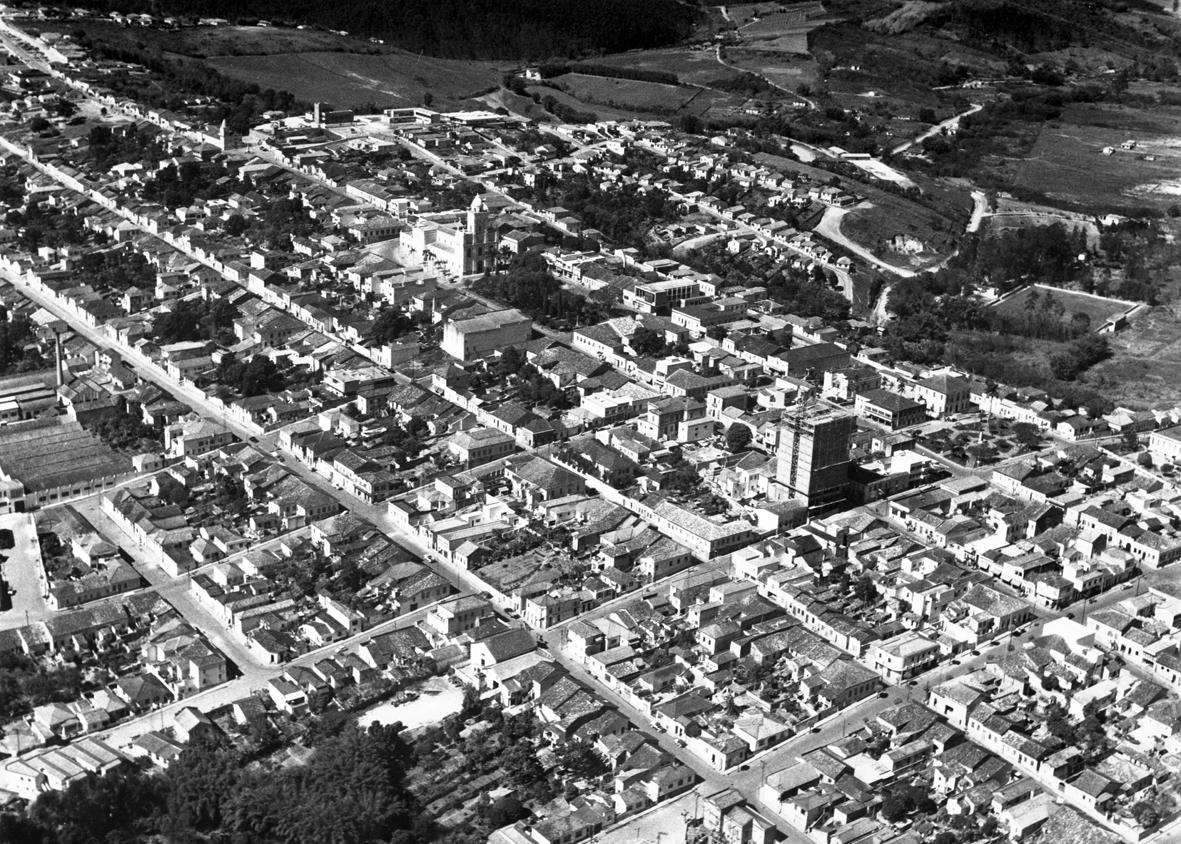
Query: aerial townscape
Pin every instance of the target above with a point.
(547, 421)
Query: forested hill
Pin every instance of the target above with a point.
(485, 29)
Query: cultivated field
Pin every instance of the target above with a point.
(1097, 308)
(348, 79)
(1067, 163)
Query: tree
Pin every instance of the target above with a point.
(64, 108)
(390, 326)
(235, 225)
(506, 810)
(646, 342)
(866, 590)
(894, 806)
(1146, 814)
(580, 760)
(738, 437)
(38, 124)
(1064, 366)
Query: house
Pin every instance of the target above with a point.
(502, 647)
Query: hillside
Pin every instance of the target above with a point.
(485, 29)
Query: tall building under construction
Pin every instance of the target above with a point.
(814, 454)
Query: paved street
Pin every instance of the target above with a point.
(24, 574)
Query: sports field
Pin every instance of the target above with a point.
(1097, 308)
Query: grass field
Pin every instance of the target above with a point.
(1097, 308)
(202, 41)
(630, 97)
(625, 93)
(313, 65)
(1066, 163)
(1143, 370)
(695, 66)
(874, 226)
(347, 79)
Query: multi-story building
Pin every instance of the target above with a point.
(890, 409)
(814, 454)
(480, 445)
(466, 339)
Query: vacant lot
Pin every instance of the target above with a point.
(1067, 163)
(1143, 370)
(349, 79)
(1097, 308)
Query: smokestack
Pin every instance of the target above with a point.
(57, 357)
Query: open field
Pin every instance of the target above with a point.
(1097, 308)
(626, 93)
(203, 41)
(875, 225)
(631, 98)
(1143, 372)
(1067, 163)
(602, 112)
(348, 79)
(313, 65)
(694, 66)
(788, 70)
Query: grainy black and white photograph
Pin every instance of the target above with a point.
(607, 421)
